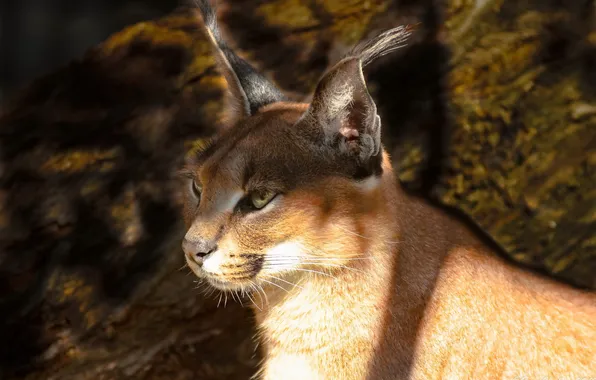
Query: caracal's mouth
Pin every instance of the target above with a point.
(224, 281)
(219, 282)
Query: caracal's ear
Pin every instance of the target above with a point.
(249, 90)
(342, 111)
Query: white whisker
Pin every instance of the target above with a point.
(274, 284)
(253, 301)
(259, 289)
(318, 258)
(335, 266)
(264, 294)
(284, 281)
(238, 296)
(312, 271)
(365, 237)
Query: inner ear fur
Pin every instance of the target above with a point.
(343, 110)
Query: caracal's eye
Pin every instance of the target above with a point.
(196, 189)
(260, 199)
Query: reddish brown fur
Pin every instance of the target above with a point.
(425, 299)
(351, 278)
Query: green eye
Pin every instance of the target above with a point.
(261, 199)
(196, 189)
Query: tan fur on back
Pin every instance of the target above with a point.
(449, 310)
(427, 300)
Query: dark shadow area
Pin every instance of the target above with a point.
(39, 36)
(411, 96)
(67, 220)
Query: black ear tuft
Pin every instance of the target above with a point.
(383, 44)
(250, 90)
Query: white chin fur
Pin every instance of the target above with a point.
(223, 285)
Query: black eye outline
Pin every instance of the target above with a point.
(266, 197)
(247, 203)
(196, 189)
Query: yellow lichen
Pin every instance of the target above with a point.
(352, 18)
(70, 286)
(75, 288)
(287, 13)
(123, 209)
(126, 219)
(76, 161)
(213, 111)
(561, 263)
(90, 187)
(195, 146)
(158, 35)
(202, 61)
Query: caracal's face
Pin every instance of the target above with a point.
(267, 201)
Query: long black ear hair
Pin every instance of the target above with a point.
(250, 90)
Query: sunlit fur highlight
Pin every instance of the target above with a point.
(350, 277)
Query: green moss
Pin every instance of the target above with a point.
(76, 290)
(352, 18)
(195, 146)
(148, 31)
(530, 126)
(287, 13)
(77, 161)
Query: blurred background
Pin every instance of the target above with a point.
(38, 36)
(490, 111)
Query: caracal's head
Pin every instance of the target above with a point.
(287, 189)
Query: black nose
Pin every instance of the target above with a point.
(198, 247)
